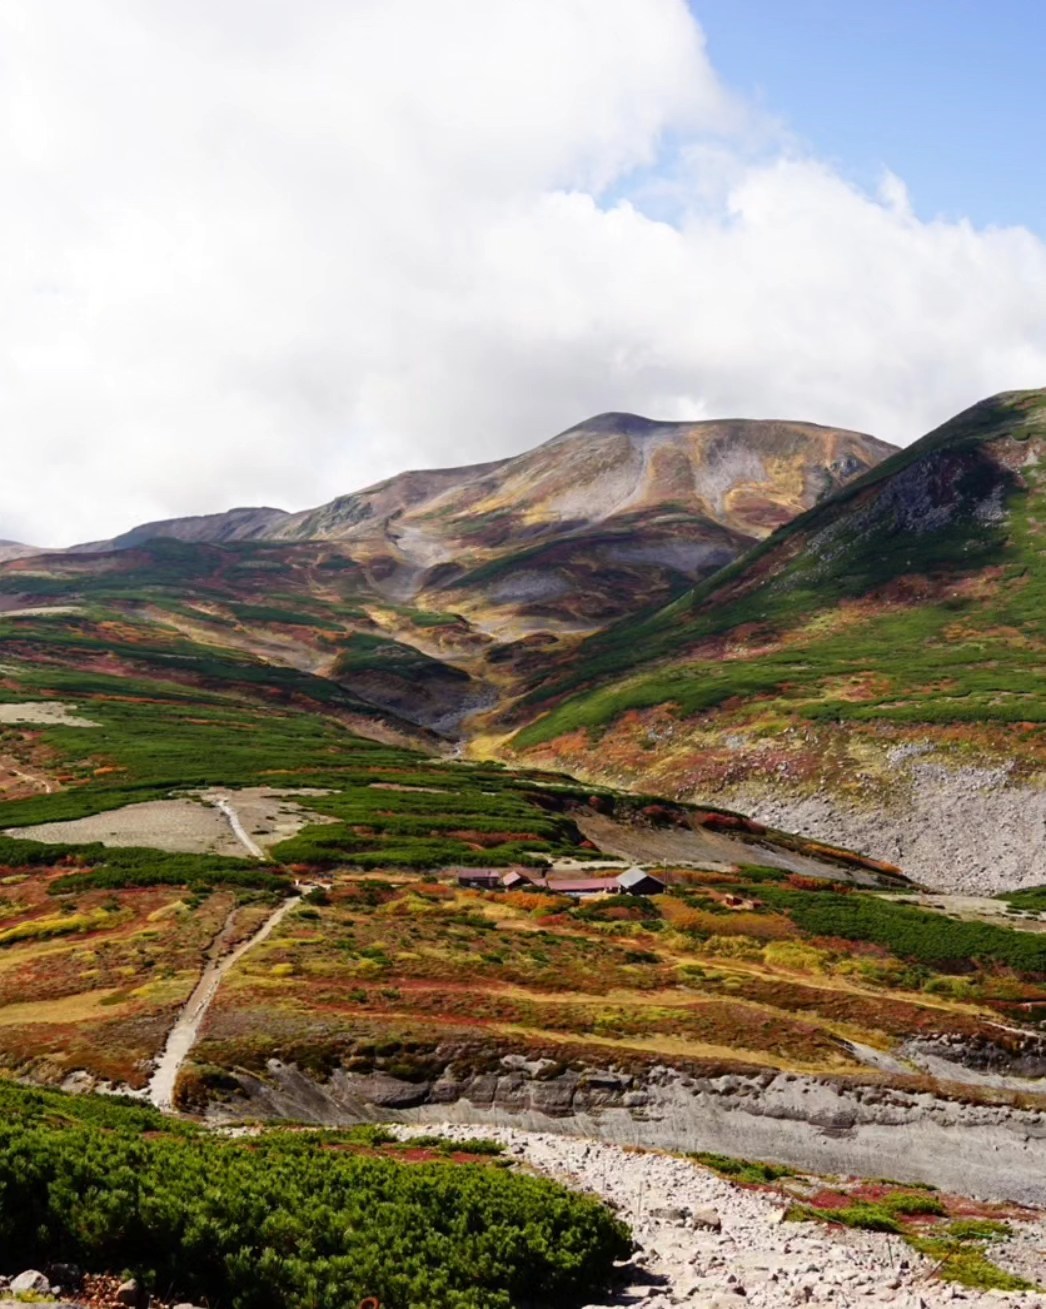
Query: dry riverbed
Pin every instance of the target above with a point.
(709, 1244)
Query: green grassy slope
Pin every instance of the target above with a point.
(925, 580)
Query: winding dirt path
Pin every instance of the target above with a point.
(224, 805)
(182, 1036)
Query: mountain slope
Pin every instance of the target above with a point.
(430, 595)
(248, 524)
(304, 609)
(609, 516)
(893, 631)
(572, 529)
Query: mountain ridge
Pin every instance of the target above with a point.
(245, 523)
(903, 615)
(611, 512)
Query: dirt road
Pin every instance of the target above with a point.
(224, 805)
(182, 1036)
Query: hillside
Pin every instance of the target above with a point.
(237, 839)
(873, 671)
(178, 817)
(119, 747)
(603, 519)
(430, 596)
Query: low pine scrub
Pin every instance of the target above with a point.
(910, 933)
(283, 1220)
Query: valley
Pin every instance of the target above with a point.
(252, 766)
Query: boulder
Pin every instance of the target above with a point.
(69, 1277)
(706, 1220)
(670, 1214)
(30, 1282)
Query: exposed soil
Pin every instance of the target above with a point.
(703, 849)
(46, 713)
(251, 819)
(972, 830)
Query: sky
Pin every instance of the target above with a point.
(947, 94)
(263, 252)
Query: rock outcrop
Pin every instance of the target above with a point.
(814, 1123)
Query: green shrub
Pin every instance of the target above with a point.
(282, 1220)
(909, 1203)
(910, 933)
(958, 1262)
(867, 1217)
(741, 1170)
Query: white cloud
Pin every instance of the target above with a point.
(266, 253)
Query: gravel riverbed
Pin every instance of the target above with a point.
(708, 1244)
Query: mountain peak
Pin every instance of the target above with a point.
(613, 423)
(1010, 413)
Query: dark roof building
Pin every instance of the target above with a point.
(638, 882)
(481, 879)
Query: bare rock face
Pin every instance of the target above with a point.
(30, 1282)
(808, 1122)
(1027, 1058)
(952, 826)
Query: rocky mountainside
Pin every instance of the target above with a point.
(430, 596)
(233, 525)
(616, 510)
(608, 516)
(874, 670)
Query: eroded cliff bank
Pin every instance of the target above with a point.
(952, 827)
(818, 1124)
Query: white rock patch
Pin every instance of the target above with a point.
(44, 713)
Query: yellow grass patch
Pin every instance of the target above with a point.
(680, 1046)
(795, 956)
(72, 1009)
(39, 929)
